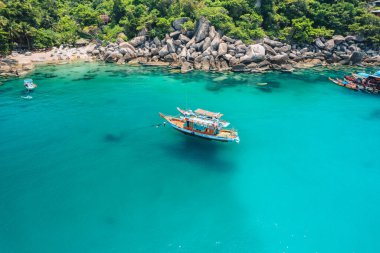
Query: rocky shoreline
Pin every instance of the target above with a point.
(205, 49)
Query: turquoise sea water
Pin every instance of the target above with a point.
(83, 170)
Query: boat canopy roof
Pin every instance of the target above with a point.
(28, 81)
(204, 122)
(208, 113)
(377, 73)
(363, 74)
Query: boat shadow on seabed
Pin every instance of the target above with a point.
(206, 153)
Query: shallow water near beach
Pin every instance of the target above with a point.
(84, 169)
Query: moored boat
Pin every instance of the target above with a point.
(360, 81)
(200, 126)
(204, 114)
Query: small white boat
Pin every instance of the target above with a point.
(29, 85)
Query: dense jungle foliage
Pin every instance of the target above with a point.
(35, 24)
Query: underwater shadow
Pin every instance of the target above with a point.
(201, 151)
(375, 114)
(113, 138)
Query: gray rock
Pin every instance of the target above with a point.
(356, 57)
(212, 33)
(227, 57)
(215, 42)
(283, 49)
(127, 45)
(228, 39)
(212, 63)
(207, 52)
(206, 44)
(197, 62)
(205, 64)
(338, 39)
(239, 68)
(319, 43)
(241, 48)
(171, 57)
(329, 45)
(137, 41)
(170, 45)
(304, 50)
(202, 29)
(233, 61)
(263, 64)
(272, 43)
(164, 51)
(287, 68)
(254, 53)
(353, 48)
(190, 43)
(183, 52)
(269, 49)
(177, 43)
(222, 49)
(279, 59)
(123, 51)
(154, 51)
(199, 46)
(231, 52)
(175, 34)
(186, 67)
(178, 22)
(183, 39)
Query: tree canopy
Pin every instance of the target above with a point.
(33, 24)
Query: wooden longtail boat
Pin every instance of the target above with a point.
(208, 128)
(347, 84)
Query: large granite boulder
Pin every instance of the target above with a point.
(330, 44)
(202, 29)
(356, 57)
(272, 43)
(127, 45)
(222, 49)
(215, 42)
(239, 68)
(164, 51)
(269, 49)
(212, 32)
(319, 43)
(174, 34)
(157, 41)
(254, 53)
(186, 67)
(338, 39)
(137, 41)
(279, 59)
(170, 45)
(228, 39)
(206, 44)
(184, 39)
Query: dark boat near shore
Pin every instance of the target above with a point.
(360, 82)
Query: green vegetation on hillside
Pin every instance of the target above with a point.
(45, 23)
